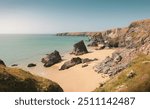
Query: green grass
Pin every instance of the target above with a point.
(139, 83)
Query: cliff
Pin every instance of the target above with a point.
(77, 34)
(129, 66)
(17, 80)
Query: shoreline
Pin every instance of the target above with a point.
(74, 79)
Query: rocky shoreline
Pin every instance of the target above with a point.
(129, 43)
(131, 40)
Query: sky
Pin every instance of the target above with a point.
(54, 16)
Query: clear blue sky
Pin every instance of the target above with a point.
(51, 16)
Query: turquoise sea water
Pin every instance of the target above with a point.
(15, 49)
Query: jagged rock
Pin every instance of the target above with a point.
(13, 65)
(131, 74)
(31, 65)
(100, 47)
(51, 59)
(93, 44)
(84, 65)
(79, 48)
(117, 57)
(110, 65)
(2, 62)
(17, 80)
(71, 63)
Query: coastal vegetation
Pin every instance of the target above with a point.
(135, 78)
(17, 80)
(115, 60)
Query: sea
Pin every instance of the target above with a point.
(28, 48)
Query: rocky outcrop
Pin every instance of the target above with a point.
(13, 65)
(135, 40)
(51, 59)
(134, 78)
(87, 60)
(138, 34)
(109, 38)
(79, 48)
(2, 63)
(17, 80)
(31, 65)
(71, 63)
(72, 34)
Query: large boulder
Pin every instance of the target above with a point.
(51, 59)
(71, 63)
(17, 80)
(2, 63)
(79, 48)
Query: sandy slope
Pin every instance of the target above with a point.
(75, 79)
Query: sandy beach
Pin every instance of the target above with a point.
(75, 79)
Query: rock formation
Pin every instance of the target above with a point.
(51, 59)
(71, 63)
(79, 48)
(135, 41)
(31, 65)
(2, 63)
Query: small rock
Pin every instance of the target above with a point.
(14, 65)
(31, 65)
(116, 57)
(84, 65)
(100, 47)
(101, 84)
(131, 74)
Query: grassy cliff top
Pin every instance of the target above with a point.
(135, 78)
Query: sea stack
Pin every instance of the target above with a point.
(51, 59)
(79, 48)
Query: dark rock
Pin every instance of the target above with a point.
(101, 84)
(93, 44)
(2, 62)
(79, 48)
(71, 63)
(31, 65)
(131, 74)
(84, 65)
(14, 65)
(51, 59)
(100, 47)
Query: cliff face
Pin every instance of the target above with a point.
(129, 66)
(17, 80)
(135, 35)
(77, 34)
